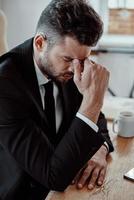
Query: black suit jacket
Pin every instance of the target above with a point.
(32, 161)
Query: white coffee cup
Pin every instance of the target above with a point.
(125, 124)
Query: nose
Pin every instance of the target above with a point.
(81, 62)
(71, 68)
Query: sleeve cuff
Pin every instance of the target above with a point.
(87, 121)
(106, 145)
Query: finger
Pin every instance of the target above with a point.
(101, 176)
(88, 66)
(85, 175)
(73, 182)
(92, 62)
(76, 177)
(105, 76)
(94, 178)
(77, 70)
(85, 75)
(108, 75)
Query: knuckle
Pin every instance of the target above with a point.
(91, 162)
(85, 173)
(102, 166)
(95, 175)
(108, 73)
(102, 176)
(93, 180)
(99, 165)
(103, 171)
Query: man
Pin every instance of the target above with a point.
(44, 140)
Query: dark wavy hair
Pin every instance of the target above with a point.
(75, 18)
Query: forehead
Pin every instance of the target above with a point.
(72, 48)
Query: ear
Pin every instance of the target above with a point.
(40, 42)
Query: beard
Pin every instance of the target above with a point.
(46, 67)
(48, 70)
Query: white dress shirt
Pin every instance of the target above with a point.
(58, 108)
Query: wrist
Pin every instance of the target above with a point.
(105, 149)
(90, 110)
(93, 100)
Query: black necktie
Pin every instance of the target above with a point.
(49, 104)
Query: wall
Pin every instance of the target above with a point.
(0, 4)
(121, 21)
(121, 67)
(22, 18)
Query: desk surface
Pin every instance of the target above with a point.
(115, 187)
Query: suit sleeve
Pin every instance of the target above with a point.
(27, 144)
(102, 124)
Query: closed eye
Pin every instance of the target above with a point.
(67, 59)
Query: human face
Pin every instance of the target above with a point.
(56, 62)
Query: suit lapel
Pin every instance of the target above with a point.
(24, 54)
(26, 78)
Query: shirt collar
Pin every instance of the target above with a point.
(40, 76)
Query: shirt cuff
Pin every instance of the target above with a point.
(87, 121)
(106, 145)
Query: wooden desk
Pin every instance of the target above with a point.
(115, 187)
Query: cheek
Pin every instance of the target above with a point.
(60, 65)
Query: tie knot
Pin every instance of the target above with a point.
(49, 87)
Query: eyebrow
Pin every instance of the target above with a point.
(69, 58)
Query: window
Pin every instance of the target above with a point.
(121, 14)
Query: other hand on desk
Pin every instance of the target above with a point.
(94, 172)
